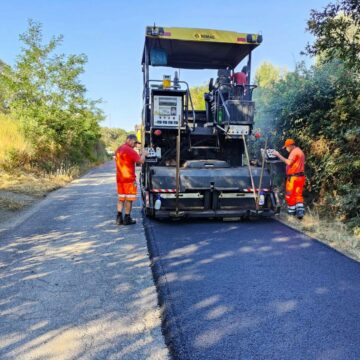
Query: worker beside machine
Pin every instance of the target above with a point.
(125, 159)
(295, 178)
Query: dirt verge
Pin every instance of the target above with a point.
(19, 190)
(330, 232)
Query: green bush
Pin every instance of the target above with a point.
(44, 93)
(320, 108)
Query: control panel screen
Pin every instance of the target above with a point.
(167, 111)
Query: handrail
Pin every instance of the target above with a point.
(262, 169)
(251, 88)
(223, 103)
(250, 173)
(177, 179)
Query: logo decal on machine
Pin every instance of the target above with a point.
(198, 36)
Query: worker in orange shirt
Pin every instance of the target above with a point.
(126, 158)
(295, 178)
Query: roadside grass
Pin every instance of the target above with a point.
(332, 232)
(35, 184)
(20, 183)
(19, 188)
(10, 201)
(12, 139)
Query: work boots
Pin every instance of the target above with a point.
(291, 210)
(300, 210)
(119, 219)
(128, 220)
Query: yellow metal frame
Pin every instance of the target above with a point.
(205, 35)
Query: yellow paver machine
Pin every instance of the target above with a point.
(198, 163)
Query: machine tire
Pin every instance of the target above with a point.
(149, 213)
(245, 217)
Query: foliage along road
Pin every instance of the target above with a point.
(254, 290)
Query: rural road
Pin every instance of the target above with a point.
(73, 285)
(254, 290)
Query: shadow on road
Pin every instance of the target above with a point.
(75, 286)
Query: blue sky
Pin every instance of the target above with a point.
(111, 34)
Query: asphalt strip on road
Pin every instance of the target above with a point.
(253, 290)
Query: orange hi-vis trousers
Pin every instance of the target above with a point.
(127, 191)
(294, 192)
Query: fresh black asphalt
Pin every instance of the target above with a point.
(253, 290)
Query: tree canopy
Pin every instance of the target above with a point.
(44, 92)
(113, 138)
(319, 106)
(268, 74)
(337, 32)
(197, 96)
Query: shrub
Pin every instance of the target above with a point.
(15, 149)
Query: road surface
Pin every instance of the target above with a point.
(73, 285)
(254, 290)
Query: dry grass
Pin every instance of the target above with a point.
(12, 201)
(20, 187)
(331, 232)
(12, 138)
(35, 185)
(20, 183)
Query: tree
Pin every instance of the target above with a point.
(46, 95)
(197, 96)
(337, 33)
(268, 74)
(113, 137)
(319, 108)
(3, 87)
(266, 77)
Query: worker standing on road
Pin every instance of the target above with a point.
(295, 178)
(126, 158)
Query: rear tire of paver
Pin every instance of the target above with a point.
(245, 217)
(149, 213)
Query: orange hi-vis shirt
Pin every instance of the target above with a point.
(126, 158)
(297, 165)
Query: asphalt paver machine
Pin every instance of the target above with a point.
(198, 163)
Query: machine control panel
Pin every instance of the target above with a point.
(237, 129)
(269, 155)
(167, 111)
(153, 154)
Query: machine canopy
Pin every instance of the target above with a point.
(197, 48)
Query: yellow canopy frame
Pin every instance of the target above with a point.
(197, 48)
